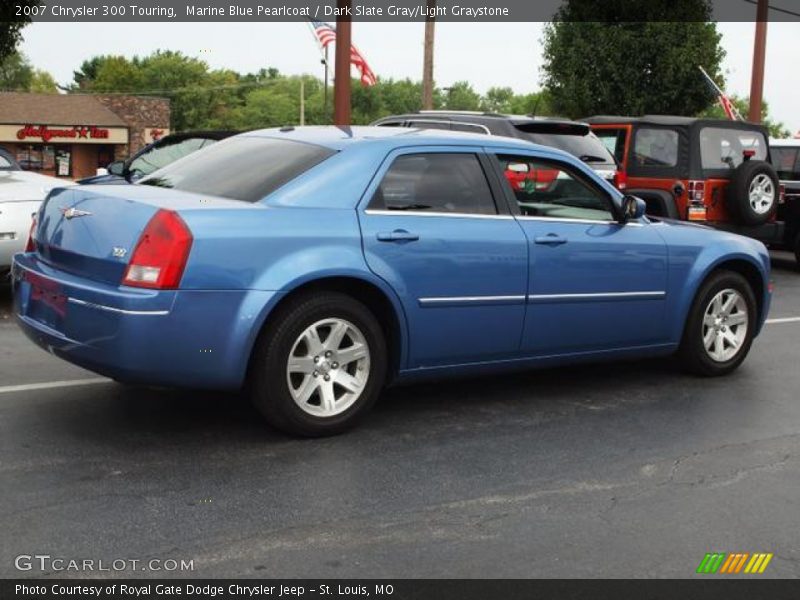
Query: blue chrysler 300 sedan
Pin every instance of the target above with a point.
(316, 265)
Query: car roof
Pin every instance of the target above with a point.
(339, 138)
(671, 120)
(470, 116)
(785, 143)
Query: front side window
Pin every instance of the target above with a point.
(786, 162)
(656, 147)
(244, 168)
(162, 155)
(725, 148)
(553, 190)
(436, 183)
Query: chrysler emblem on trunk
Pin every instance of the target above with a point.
(71, 213)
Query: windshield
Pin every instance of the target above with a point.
(158, 156)
(244, 168)
(6, 162)
(586, 147)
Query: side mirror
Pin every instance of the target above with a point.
(632, 208)
(116, 168)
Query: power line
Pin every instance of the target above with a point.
(775, 8)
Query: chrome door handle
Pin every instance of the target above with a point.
(398, 235)
(551, 239)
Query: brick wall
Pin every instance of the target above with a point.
(139, 112)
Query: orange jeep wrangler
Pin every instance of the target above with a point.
(706, 170)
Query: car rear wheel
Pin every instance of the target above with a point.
(319, 366)
(721, 325)
(753, 192)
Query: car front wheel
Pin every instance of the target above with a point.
(720, 327)
(319, 366)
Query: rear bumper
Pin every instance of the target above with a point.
(187, 338)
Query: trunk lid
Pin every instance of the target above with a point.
(92, 231)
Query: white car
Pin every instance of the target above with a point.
(21, 193)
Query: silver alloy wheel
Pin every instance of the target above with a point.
(328, 367)
(725, 324)
(762, 193)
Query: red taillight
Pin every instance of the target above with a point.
(781, 194)
(161, 254)
(697, 192)
(31, 245)
(620, 180)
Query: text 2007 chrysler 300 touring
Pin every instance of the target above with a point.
(318, 264)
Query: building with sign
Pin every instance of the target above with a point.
(72, 135)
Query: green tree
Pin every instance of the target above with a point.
(596, 63)
(461, 96)
(776, 129)
(11, 25)
(17, 74)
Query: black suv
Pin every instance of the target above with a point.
(570, 136)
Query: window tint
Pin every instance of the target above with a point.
(656, 147)
(614, 141)
(449, 183)
(585, 146)
(722, 148)
(545, 189)
(161, 156)
(786, 162)
(242, 168)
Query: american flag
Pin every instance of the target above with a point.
(326, 34)
(724, 101)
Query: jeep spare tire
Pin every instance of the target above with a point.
(753, 192)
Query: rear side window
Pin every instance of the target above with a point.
(244, 168)
(656, 147)
(786, 162)
(468, 127)
(429, 124)
(442, 183)
(723, 148)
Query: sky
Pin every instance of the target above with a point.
(486, 54)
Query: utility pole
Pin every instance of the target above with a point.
(341, 81)
(759, 58)
(427, 62)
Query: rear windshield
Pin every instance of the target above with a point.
(722, 148)
(241, 168)
(586, 147)
(786, 161)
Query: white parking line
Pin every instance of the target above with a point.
(786, 320)
(51, 384)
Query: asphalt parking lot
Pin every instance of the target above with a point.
(621, 470)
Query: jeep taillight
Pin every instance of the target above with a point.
(781, 194)
(30, 246)
(161, 254)
(620, 180)
(697, 192)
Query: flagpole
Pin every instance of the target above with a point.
(325, 97)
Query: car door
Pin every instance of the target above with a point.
(595, 284)
(432, 229)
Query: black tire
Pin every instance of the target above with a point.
(738, 195)
(692, 352)
(269, 387)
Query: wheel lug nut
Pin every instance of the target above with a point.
(328, 353)
(316, 373)
(335, 365)
(327, 377)
(316, 359)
